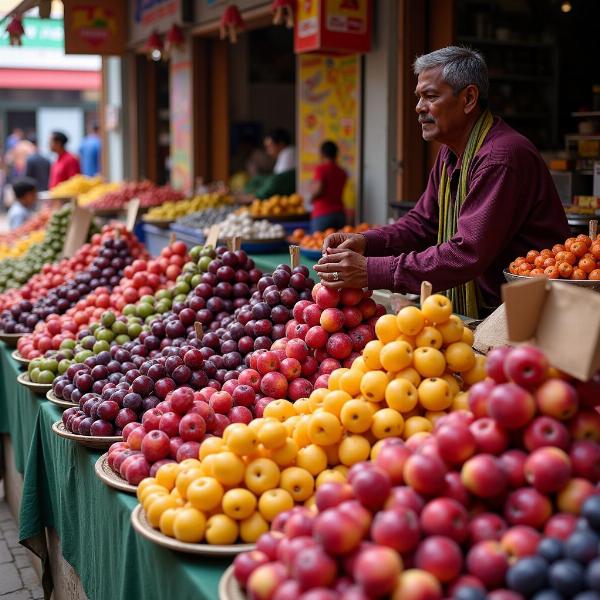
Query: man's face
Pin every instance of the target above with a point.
(441, 112)
(54, 146)
(271, 148)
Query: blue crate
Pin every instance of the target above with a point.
(291, 225)
(156, 238)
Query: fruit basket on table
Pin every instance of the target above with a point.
(590, 284)
(89, 441)
(142, 526)
(37, 388)
(60, 402)
(20, 359)
(110, 477)
(10, 339)
(229, 588)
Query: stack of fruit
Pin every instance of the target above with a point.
(20, 246)
(78, 184)
(457, 505)
(102, 275)
(140, 280)
(118, 198)
(278, 206)
(314, 241)
(568, 567)
(578, 259)
(206, 218)
(244, 226)
(14, 272)
(169, 211)
(89, 197)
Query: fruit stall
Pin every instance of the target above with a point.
(208, 420)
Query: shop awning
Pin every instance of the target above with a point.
(40, 79)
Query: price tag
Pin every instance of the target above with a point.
(234, 243)
(295, 256)
(133, 207)
(198, 329)
(426, 289)
(213, 236)
(77, 231)
(593, 229)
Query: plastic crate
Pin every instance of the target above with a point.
(156, 238)
(291, 225)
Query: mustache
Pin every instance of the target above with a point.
(426, 120)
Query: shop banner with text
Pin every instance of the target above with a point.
(146, 16)
(329, 109)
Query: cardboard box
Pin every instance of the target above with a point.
(561, 319)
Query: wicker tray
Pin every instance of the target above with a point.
(141, 525)
(110, 477)
(590, 284)
(38, 388)
(229, 588)
(10, 339)
(89, 441)
(64, 404)
(22, 361)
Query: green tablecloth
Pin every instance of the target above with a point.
(18, 408)
(92, 521)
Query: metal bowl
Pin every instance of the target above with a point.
(592, 285)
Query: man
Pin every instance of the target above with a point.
(278, 146)
(37, 167)
(489, 198)
(21, 209)
(90, 151)
(327, 188)
(66, 165)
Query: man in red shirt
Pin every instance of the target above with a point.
(489, 198)
(66, 164)
(327, 188)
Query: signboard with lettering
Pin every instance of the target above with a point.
(95, 27)
(341, 26)
(146, 16)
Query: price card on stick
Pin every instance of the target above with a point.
(198, 329)
(77, 231)
(295, 256)
(234, 243)
(213, 236)
(133, 207)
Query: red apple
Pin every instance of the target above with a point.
(151, 419)
(483, 476)
(440, 556)
(174, 444)
(489, 436)
(250, 377)
(546, 431)
(405, 497)
(585, 460)
(486, 526)
(298, 310)
(571, 498)
(351, 296)
(296, 348)
(221, 402)
(589, 391)
(376, 570)
(137, 470)
(454, 488)
(339, 346)
(188, 450)
(169, 424)
(155, 445)
(192, 428)
(478, 397)
(548, 469)
(265, 579)
(561, 526)
(488, 562)
(299, 388)
(397, 528)
(337, 532)
(274, 384)
(332, 493)
(526, 366)
(511, 405)
(557, 398)
(182, 399)
(311, 315)
(268, 543)
(425, 474)
(316, 337)
(513, 461)
(494, 365)
(455, 443)
(312, 567)
(520, 541)
(371, 487)
(391, 459)
(526, 506)
(445, 517)
(326, 297)
(267, 362)
(134, 439)
(416, 584)
(585, 425)
(246, 563)
(352, 317)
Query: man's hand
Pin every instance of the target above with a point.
(341, 268)
(345, 241)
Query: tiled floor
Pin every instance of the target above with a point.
(18, 579)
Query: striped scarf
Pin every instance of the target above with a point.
(464, 296)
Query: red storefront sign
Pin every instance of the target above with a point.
(341, 26)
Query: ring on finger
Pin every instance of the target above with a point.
(336, 276)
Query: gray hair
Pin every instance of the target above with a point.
(460, 67)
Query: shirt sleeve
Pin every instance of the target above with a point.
(416, 230)
(491, 215)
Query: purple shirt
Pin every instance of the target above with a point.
(511, 207)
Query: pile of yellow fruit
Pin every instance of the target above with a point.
(74, 186)
(278, 206)
(413, 374)
(100, 190)
(21, 245)
(181, 208)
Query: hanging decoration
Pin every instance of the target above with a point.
(231, 23)
(283, 12)
(154, 46)
(15, 31)
(174, 39)
(45, 8)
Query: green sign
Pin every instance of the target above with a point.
(39, 33)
